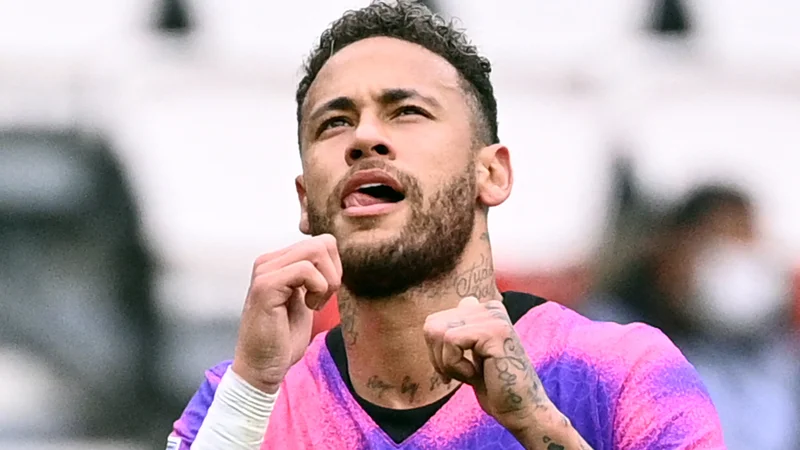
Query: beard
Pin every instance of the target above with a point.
(427, 248)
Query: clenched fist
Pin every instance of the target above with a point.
(476, 344)
(276, 323)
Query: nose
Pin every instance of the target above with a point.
(369, 140)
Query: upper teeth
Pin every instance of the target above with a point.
(370, 185)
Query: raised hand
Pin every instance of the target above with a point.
(475, 343)
(276, 322)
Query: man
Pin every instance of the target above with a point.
(709, 282)
(401, 163)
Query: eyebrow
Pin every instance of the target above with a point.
(392, 96)
(387, 97)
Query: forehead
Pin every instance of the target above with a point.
(375, 64)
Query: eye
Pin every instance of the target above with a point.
(333, 122)
(409, 110)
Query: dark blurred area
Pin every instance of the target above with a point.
(147, 156)
(76, 285)
(700, 272)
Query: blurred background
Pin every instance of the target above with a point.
(147, 156)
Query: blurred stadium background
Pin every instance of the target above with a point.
(147, 156)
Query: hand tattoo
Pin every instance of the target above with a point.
(510, 367)
(505, 365)
(552, 445)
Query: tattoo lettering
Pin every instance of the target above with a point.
(552, 445)
(456, 324)
(347, 318)
(409, 388)
(436, 382)
(535, 391)
(497, 312)
(506, 366)
(477, 280)
(512, 368)
(379, 385)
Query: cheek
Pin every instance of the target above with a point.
(319, 186)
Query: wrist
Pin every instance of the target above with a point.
(254, 378)
(542, 427)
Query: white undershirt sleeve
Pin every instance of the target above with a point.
(237, 418)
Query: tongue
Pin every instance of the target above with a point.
(362, 199)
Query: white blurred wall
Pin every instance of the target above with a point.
(207, 129)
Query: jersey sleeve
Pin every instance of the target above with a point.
(185, 429)
(663, 404)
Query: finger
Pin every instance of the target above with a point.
(434, 333)
(300, 316)
(434, 362)
(324, 243)
(317, 251)
(481, 339)
(299, 274)
(457, 363)
(333, 251)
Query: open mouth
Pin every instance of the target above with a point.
(372, 194)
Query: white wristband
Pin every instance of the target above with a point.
(237, 418)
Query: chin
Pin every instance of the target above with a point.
(393, 220)
(368, 237)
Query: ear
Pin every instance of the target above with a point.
(494, 175)
(299, 185)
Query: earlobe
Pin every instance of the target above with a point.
(299, 185)
(495, 176)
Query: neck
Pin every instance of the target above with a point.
(386, 350)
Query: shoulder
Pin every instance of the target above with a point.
(186, 427)
(651, 396)
(565, 332)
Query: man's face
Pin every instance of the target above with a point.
(388, 165)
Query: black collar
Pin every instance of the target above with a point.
(400, 424)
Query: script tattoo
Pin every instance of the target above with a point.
(379, 385)
(552, 445)
(436, 382)
(477, 280)
(517, 377)
(347, 317)
(509, 367)
(498, 312)
(407, 387)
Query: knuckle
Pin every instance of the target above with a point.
(259, 285)
(319, 246)
(306, 266)
(327, 240)
(495, 304)
(260, 261)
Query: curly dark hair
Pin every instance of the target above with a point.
(415, 23)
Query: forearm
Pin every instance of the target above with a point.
(238, 417)
(553, 431)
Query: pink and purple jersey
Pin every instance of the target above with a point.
(623, 387)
